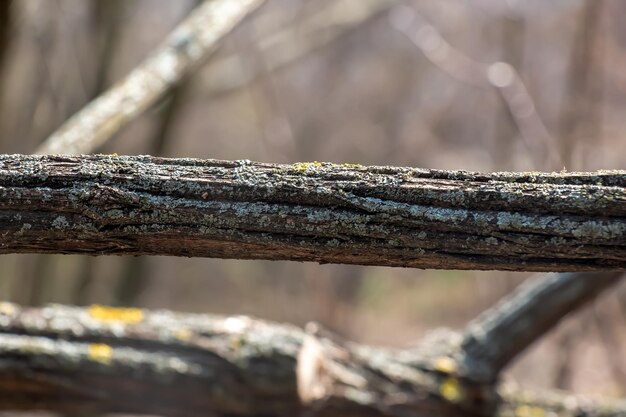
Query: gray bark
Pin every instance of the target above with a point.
(494, 338)
(313, 212)
(102, 359)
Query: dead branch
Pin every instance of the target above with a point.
(318, 212)
(499, 334)
(103, 359)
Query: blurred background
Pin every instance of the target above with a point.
(479, 85)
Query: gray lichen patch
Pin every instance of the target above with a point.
(60, 222)
(25, 227)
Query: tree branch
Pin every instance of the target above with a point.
(313, 212)
(492, 340)
(185, 47)
(102, 359)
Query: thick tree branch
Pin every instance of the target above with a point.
(500, 333)
(313, 212)
(101, 359)
(185, 47)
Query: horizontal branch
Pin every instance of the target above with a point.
(313, 212)
(102, 359)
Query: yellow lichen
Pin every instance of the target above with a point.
(445, 364)
(303, 166)
(7, 309)
(237, 342)
(100, 352)
(183, 334)
(125, 315)
(451, 390)
(529, 411)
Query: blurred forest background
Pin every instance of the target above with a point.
(479, 85)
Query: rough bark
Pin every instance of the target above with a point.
(313, 212)
(102, 359)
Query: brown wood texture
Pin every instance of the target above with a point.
(322, 212)
(102, 359)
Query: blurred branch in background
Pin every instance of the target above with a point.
(492, 340)
(187, 45)
(501, 76)
(611, 326)
(297, 41)
(102, 359)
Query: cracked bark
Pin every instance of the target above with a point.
(313, 212)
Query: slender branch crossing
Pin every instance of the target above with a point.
(190, 42)
(313, 212)
(492, 340)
